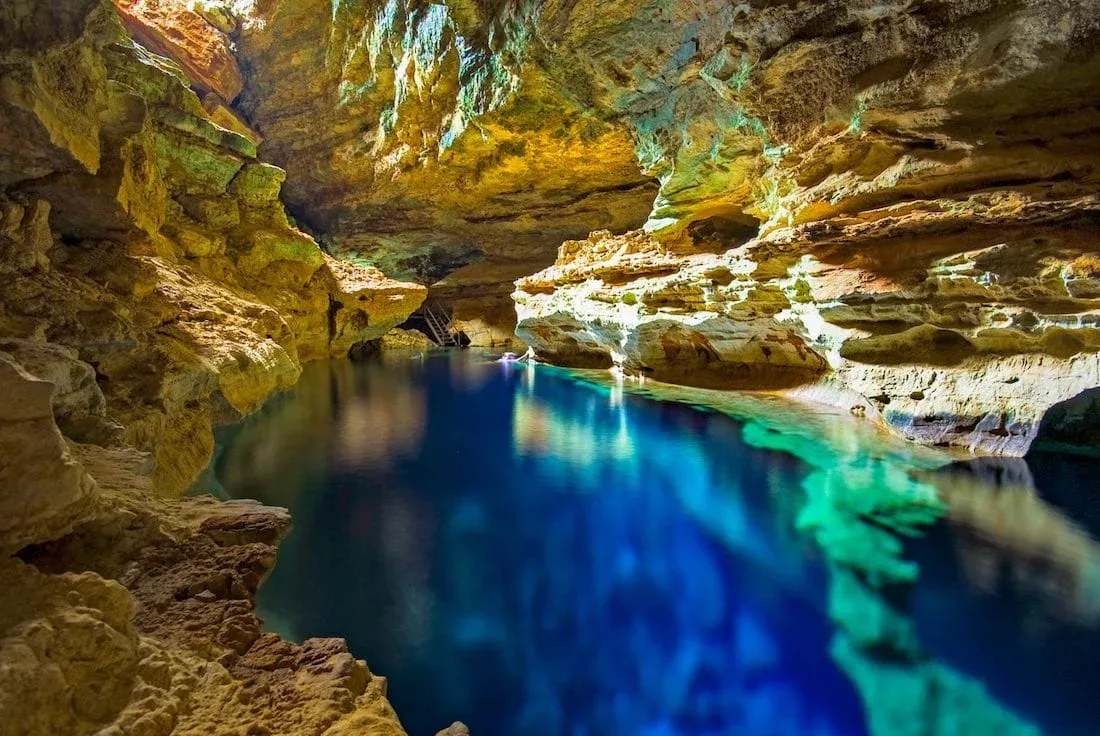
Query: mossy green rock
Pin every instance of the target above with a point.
(202, 127)
(296, 252)
(217, 213)
(258, 184)
(191, 166)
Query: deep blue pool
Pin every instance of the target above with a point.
(538, 556)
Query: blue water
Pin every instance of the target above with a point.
(538, 556)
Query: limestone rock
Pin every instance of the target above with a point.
(179, 274)
(479, 299)
(78, 403)
(151, 286)
(176, 30)
(94, 642)
(420, 135)
(43, 492)
(64, 639)
(398, 339)
(969, 342)
(25, 235)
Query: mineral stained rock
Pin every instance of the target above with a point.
(891, 204)
(147, 245)
(152, 285)
(958, 349)
(398, 339)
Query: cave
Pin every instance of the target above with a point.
(537, 368)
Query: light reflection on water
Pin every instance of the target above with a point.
(534, 554)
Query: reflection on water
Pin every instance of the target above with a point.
(541, 552)
(1019, 579)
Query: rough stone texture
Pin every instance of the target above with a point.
(157, 253)
(151, 286)
(141, 620)
(907, 191)
(426, 136)
(420, 135)
(397, 339)
(78, 403)
(181, 31)
(44, 491)
(479, 297)
(957, 324)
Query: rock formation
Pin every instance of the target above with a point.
(152, 285)
(889, 206)
(892, 204)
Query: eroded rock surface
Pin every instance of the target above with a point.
(887, 145)
(152, 285)
(141, 620)
(969, 345)
(890, 206)
(147, 243)
(898, 199)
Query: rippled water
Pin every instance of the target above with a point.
(537, 552)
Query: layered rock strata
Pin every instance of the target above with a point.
(896, 203)
(970, 345)
(916, 180)
(151, 286)
(144, 241)
(125, 613)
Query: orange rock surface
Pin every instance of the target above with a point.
(173, 29)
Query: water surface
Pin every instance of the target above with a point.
(535, 554)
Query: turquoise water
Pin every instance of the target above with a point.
(533, 551)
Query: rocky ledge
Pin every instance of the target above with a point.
(969, 345)
(887, 206)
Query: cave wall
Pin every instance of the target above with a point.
(885, 206)
(889, 207)
(152, 285)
